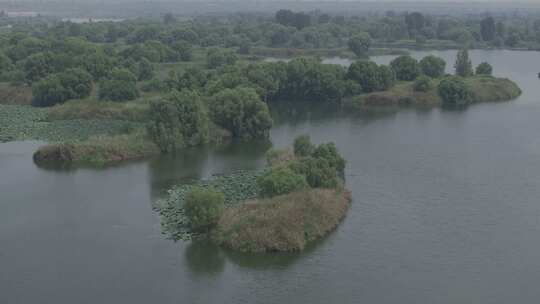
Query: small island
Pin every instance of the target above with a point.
(299, 198)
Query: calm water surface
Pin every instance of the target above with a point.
(446, 210)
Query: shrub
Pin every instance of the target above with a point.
(179, 120)
(121, 86)
(484, 68)
(48, 92)
(279, 181)
(203, 207)
(242, 112)
(432, 66)
(422, 84)
(454, 91)
(463, 64)
(371, 77)
(219, 57)
(359, 44)
(319, 172)
(329, 152)
(303, 146)
(405, 67)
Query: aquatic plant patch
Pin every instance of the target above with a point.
(237, 187)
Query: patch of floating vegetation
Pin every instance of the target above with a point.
(236, 188)
(22, 122)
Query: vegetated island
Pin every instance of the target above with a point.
(424, 83)
(105, 92)
(299, 198)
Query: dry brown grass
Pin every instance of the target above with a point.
(282, 223)
(20, 95)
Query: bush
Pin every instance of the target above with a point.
(406, 68)
(219, 57)
(319, 173)
(121, 86)
(57, 88)
(432, 66)
(203, 207)
(422, 84)
(303, 146)
(454, 91)
(463, 64)
(279, 181)
(484, 68)
(48, 92)
(359, 44)
(329, 152)
(179, 120)
(371, 77)
(242, 112)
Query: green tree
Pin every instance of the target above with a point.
(279, 181)
(303, 146)
(463, 64)
(241, 112)
(432, 66)
(5, 63)
(329, 152)
(219, 57)
(178, 121)
(319, 172)
(48, 92)
(38, 66)
(487, 29)
(360, 44)
(77, 82)
(454, 91)
(422, 84)
(371, 77)
(405, 67)
(120, 86)
(145, 69)
(203, 208)
(484, 68)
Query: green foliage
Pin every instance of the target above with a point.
(145, 70)
(371, 77)
(219, 57)
(279, 181)
(121, 86)
(484, 68)
(241, 112)
(487, 29)
(57, 88)
(236, 187)
(454, 91)
(319, 172)
(303, 146)
(38, 66)
(179, 120)
(432, 66)
(405, 67)
(203, 207)
(359, 44)
(463, 64)
(329, 152)
(5, 63)
(422, 84)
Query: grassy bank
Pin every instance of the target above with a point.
(482, 89)
(282, 223)
(98, 150)
(19, 95)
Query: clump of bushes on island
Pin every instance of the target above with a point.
(280, 208)
(424, 83)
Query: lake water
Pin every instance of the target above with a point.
(446, 209)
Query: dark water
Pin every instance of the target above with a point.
(446, 210)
